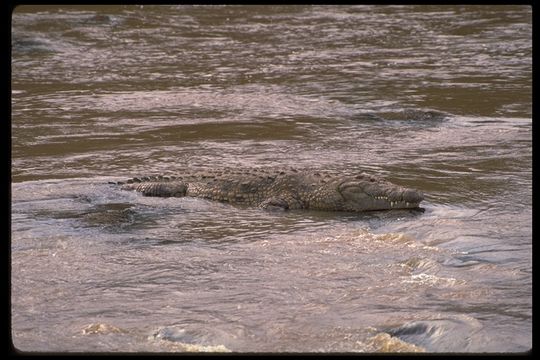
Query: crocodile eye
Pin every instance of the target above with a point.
(350, 187)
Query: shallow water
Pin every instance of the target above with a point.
(436, 98)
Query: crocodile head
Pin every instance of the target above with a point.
(363, 193)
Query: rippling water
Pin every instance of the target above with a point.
(432, 97)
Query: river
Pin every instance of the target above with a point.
(437, 98)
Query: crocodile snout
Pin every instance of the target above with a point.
(412, 196)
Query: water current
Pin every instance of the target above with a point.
(436, 98)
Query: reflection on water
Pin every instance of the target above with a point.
(430, 97)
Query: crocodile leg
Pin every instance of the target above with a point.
(286, 202)
(274, 203)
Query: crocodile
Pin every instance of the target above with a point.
(282, 189)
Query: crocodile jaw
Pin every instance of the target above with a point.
(380, 195)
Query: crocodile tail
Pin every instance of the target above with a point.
(159, 189)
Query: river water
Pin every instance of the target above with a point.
(436, 98)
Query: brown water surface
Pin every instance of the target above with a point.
(432, 97)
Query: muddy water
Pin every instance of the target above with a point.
(432, 97)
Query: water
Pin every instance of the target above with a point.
(431, 97)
